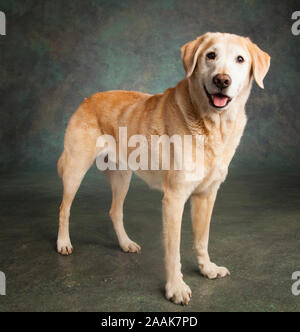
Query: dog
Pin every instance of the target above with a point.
(210, 102)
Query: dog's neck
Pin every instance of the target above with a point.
(199, 118)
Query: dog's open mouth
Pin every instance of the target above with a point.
(218, 100)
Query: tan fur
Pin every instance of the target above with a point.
(60, 165)
(182, 110)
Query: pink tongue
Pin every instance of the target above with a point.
(219, 101)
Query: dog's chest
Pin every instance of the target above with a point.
(219, 149)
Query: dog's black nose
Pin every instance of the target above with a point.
(222, 81)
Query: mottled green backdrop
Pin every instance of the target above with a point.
(57, 52)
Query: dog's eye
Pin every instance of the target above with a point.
(211, 56)
(240, 59)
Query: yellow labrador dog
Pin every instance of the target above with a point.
(210, 102)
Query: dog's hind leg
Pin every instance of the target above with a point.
(119, 182)
(78, 156)
(74, 170)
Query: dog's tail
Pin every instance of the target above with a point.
(60, 165)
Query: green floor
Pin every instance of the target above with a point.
(255, 233)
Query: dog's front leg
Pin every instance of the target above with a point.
(176, 289)
(202, 207)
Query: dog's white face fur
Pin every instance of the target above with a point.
(231, 60)
(235, 59)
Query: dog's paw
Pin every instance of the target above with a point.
(178, 292)
(64, 247)
(130, 246)
(212, 271)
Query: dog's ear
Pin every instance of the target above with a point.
(260, 63)
(190, 52)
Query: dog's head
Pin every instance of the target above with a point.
(222, 66)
